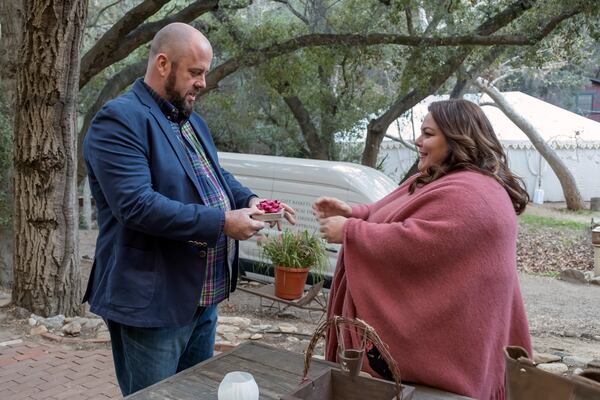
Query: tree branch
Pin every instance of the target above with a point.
(294, 11)
(127, 34)
(565, 177)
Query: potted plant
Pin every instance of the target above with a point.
(293, 255)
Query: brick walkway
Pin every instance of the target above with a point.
(50, 371)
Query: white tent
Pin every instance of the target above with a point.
(576, 140)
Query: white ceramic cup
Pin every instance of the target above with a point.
(238, 385)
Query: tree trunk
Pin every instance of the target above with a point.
(566, 179)
(46, 262)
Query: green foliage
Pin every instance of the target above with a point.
(296, 250)
(551, 222)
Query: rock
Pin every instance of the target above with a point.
(595, 363)
(70, 319)
(227, 329)
(72, 328)
(574, 361)
(595, 281)
(543, 358)
(293, 339)
(288, 328)
(104, 335)
(55, 322)
(5, 301)
(32, 322)
(230, 337)
(38, 330)
(570, 334)
(93, 323)
(254, 284)
(577, 371)
(21, 313)
(259, 328)
(555, 368)
(244, 336)
(572, 275)
(235, 321)
(256, 336)
(588, 275)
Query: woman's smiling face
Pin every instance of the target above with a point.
(432, 144)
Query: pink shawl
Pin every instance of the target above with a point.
(435, 274)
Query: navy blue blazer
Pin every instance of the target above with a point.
(146, 271)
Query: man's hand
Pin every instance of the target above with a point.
(332, 228)
(330, 207)
(288, 214)
(239, 225)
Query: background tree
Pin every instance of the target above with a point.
(47, 278)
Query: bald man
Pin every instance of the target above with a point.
(169, 216)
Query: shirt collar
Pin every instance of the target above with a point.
(170, 111)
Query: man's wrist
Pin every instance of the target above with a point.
(253, 200)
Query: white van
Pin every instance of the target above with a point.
(299, 182)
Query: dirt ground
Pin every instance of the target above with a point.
(563, 317)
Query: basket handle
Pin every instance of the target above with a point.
(372, 337)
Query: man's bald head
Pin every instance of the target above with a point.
(179, 59)
(175, 40)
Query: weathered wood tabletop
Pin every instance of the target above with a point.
(275, 370)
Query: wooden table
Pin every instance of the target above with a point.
(276, 372)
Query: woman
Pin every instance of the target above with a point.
(432, 266)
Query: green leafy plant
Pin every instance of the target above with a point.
(296, 250)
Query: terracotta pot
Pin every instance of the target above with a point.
(289, 282)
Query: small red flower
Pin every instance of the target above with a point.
(269, 206)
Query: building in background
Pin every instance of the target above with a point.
(575, 138)
(588, 100)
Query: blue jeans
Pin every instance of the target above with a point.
(144, 356)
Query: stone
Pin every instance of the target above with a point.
(227, 329)
(577, 371)
(595, 281)
(256, 336)
(259, 328)
(595, 363)
(70, 319)
(21, 313)
(93, 323)
(72, 328)
(288, 328)
(103, 335)
(542, 358)
(230, 337)
(589, 275)
(570, 334)
(235, 321)
(574, 361)
(572, 275)
(55, 322)
(555, 368)
(5, 301)
(38, 330)
(244, 336)
(254, 284)
(293, 339)
(32, 322)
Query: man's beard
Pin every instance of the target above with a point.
(174, 97)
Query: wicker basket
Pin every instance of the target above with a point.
(334, 384)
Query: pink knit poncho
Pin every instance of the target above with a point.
(435, 274)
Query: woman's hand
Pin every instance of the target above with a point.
(332, 228)
(330, 206)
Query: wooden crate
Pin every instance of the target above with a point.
(333, 384)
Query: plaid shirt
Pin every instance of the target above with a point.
(219, 259)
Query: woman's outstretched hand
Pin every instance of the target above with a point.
(330, 207)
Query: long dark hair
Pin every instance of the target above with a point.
(472, 145)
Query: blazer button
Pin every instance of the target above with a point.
(202, 253)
